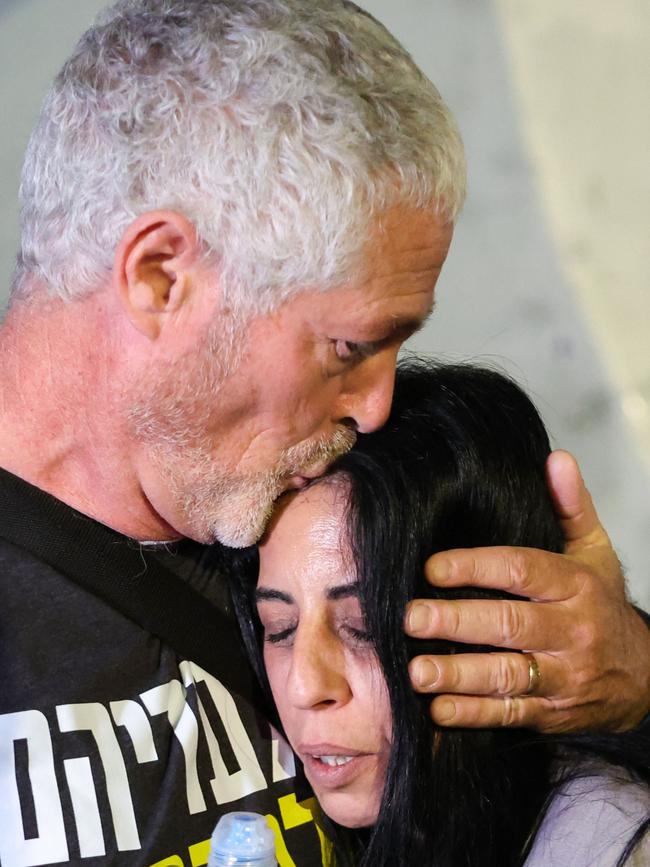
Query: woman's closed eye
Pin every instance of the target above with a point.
(353, 631)
(350, 631)
(284, 636)
(280, 632)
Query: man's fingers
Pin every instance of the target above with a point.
(522, 571)
(529, 572)
(573, 503)
(590, 645)
(493, 674)
(473, 712)
(498, 623)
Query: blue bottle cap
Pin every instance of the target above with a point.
(243, 839)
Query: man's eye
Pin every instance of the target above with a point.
(348, 350)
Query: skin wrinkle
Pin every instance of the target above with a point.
(394, 326)
(61, 428)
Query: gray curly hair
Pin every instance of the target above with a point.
(280, 128)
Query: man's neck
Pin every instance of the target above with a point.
(61, 427)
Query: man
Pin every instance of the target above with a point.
(234, 213)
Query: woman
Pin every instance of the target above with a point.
(459, 464)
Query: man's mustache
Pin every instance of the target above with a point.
(311, 455)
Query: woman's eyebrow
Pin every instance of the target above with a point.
(343, 591)
(263, 594)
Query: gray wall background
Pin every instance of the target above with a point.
(546, 277)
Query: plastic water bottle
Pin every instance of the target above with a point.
(244, 840)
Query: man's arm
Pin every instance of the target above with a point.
(591, 646)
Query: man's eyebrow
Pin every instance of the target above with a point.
(268, 595)
(343, 591)
(410, 325)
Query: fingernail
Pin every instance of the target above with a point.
(418, 619)
(444, 711)
(426, 673)
(439, 571)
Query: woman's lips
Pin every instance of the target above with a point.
(332, 766)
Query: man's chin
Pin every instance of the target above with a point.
(232, 512)
(241, 540)
(243, 533)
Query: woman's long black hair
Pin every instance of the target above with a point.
(460, 463)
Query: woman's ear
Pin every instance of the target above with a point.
(152, 271)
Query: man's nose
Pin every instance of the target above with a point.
(367, 393)
(317, 675)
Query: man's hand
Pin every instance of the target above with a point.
(591, 646)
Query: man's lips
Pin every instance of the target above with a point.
(297, 483)
(301, 480)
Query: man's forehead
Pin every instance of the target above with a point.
(417, 228)
(407, 248)
(396, 300)
(392, 289)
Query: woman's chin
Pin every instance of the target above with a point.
(348, 810)
(349, 792)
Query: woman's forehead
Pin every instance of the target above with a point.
(307, 540)
(315, 514)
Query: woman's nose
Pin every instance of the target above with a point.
(317, 675)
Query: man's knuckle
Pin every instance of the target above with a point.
(507, 676)
(451, 614)
(523, 715)
(509, 712)
(587, 638)
(511, 624)
(461, 566)
(453, 677)
(518, 570)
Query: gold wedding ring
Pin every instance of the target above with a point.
(534, 674)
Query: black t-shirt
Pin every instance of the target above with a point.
(115, 747)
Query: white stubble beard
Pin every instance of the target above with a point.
(235, 509)
(171, 418)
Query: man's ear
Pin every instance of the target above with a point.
(152, 268)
